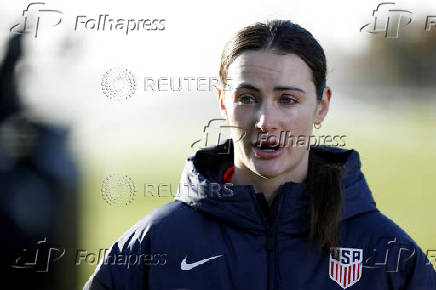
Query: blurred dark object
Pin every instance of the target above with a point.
(38, 201)
(9, 102)
(396, 68)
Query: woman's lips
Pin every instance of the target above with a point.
(263, 154)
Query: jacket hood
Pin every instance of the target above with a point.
(201, 187)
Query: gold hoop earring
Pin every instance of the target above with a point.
(316, 125)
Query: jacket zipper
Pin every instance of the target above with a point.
(271, 243)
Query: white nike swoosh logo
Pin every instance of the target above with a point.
(186, 266)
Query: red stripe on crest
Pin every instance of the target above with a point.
(345, 275)
(340, 275)
(331, 268)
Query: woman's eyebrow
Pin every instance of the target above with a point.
(279, 88)
(289, 88)
(247, 86)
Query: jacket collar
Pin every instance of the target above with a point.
(202, 189)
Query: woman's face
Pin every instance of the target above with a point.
(271, 95)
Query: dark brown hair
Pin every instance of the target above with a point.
(324, 177)
(280, 36)
(324, 186)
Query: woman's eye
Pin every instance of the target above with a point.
(246, 99)
(287, 100)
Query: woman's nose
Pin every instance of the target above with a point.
(267, 119)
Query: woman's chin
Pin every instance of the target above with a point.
(267, 170)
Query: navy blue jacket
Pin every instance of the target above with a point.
(217, 236)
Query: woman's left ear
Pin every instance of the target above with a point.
(323, 105)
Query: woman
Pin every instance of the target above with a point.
(271, 214)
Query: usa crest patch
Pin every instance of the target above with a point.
(345, 266)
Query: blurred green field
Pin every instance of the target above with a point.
(397, 153)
